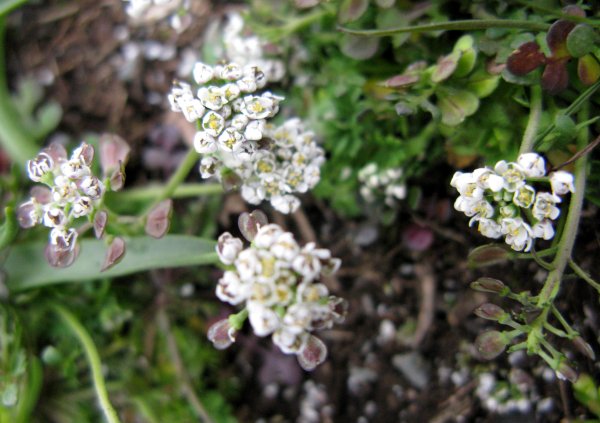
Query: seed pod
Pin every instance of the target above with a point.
(221, 334)
(250, 223)
(487, 255)
(490, 311)
(159, 219)
(114, 254)
(100, 219)
(490, 344)
(583, 347)
(566, 372)
(313, 353)
(491, 285)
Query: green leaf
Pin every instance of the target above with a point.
(7, 6)
(27, 268)
(456, 105)
(581, 40)
(9, 228)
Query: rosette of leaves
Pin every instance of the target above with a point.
(566, 40)
(450, 90)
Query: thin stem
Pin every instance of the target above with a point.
(94, 360)
(571, 333)
(154, 191)
(556, 331)
(182, 376)
(565, 245)
(535, 114)
(574, 107)
(460, 25)
(177, 178)
(583, 275)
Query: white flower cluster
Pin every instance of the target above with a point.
(248, 49)
(502, 203)
(278, 281)
(72, 192)
(377, 182)
(144, 11)
(271, 162)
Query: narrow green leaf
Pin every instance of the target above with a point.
(27, 268)
(9, 228)
(7, 6)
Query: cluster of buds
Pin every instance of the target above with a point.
(503, 203)
(238, 144)
(147, 11)
(71, 192)
(382, 182)
(277, 281)
(246, 49)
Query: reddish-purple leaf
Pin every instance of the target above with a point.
(555, 77)
(557, 38)
(159, 219)
(114, 254)
(401, 81)
(525, 59)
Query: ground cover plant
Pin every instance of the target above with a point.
(309, 211)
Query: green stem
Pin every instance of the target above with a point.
(460, 25)
(574, 107)
(535, 114)
(583, 275)
(14, 137)
(94, 360)
(154, 191)
(571, 333)
(177, 178)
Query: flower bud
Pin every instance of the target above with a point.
(491, 285)
(490, 311)
(228, 248)
(487, 255)
(583, 347)
(566, 372)
(250, 223)
(490, 344)
(159, 219)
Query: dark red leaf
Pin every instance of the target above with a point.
(525, 59)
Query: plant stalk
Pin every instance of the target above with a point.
(94, 360)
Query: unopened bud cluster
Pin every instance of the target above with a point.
(386, 183)
(277, 281)
(238, 145)
(503, 203)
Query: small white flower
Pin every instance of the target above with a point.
(230, 140)
(208, 166)
(518, 234)
(543, 229)
(289, 341)
(54, 217)
(252, 193)
(488, 179)
(231, 289)
(83, 206)
(285, 247)
(213, 123)
(285, 204)
(247, 84)
(487, 227)
(192, 109)
(63, 239)
(231, 72)
(202, 73)
(204, 143)
(239, 122)
(524, 196)
(64, 190)
(247, 264)
(533, 165)
(92, 187)
(231, 91)
(75, 169)
(255, 130)
(228, 247)
(255, 107)
(307, 263)
(513, 175)
(267, 235)
(562, 182)
(264, 321)
(544, 206)
(212, 97)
